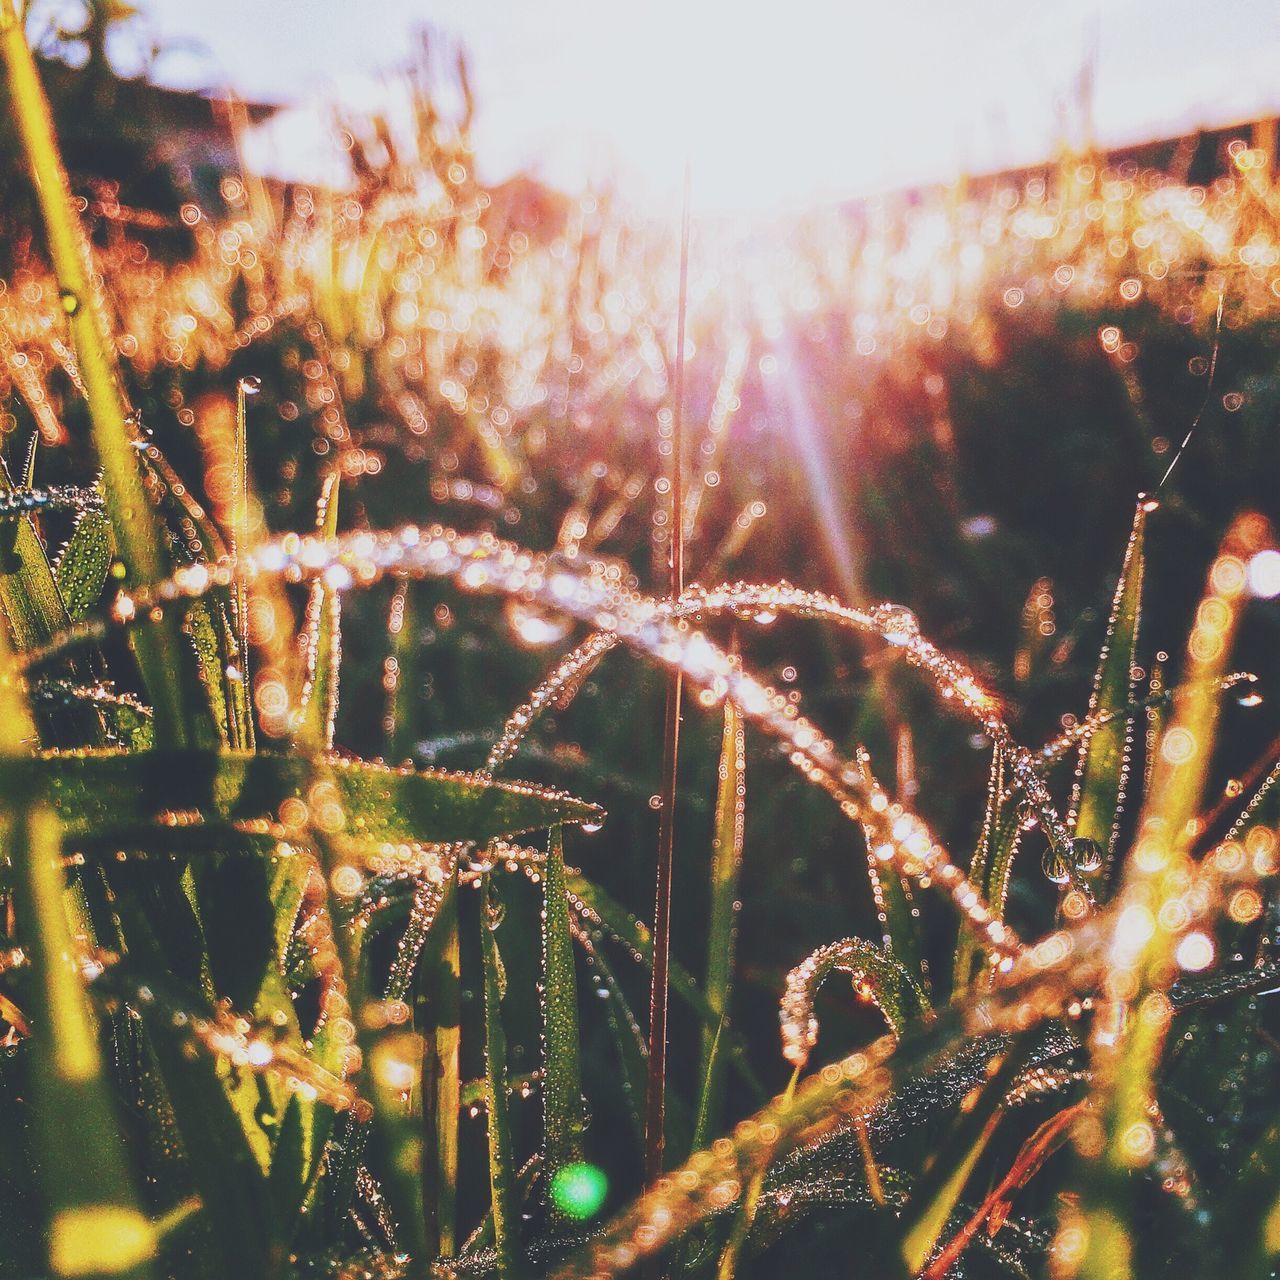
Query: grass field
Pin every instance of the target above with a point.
(326, 516)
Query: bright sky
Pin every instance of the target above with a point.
(773, 103)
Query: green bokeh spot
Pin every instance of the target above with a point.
(578, 1190)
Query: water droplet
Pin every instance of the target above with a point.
(1148, 502)
(590, 828)
(897, 624)
(1086, 854)
(1055, 868)
(251, 385)
(533, 627)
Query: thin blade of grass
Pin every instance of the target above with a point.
(563, 1119)
(322, 641)
(28, 589)
(95, 1224)
(440, 988)
(81, 567)
(1104, 757)
(1127, 1043)
(139, 541)
(625, 1029)
(726, 866)
(637, 938)
(502, 1187)
(934, 1198)
(991, 868)
(97, 793)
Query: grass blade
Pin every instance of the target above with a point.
(322, 642)
(139, 541)
(934, 1198)
(97, 793)
(637, 938)
(726, 866)
(502, 1189)
(441, 988)
(563, 1120)
(96, 1226)
(629, 1039)
(1104, 757)
(1125, 1060)
(81, 567)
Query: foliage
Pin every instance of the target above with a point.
(256, 988)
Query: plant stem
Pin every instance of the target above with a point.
(656, 1083)
(137, 537)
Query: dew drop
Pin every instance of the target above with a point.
(1055, 868)
(1086, 854)
(533, 627)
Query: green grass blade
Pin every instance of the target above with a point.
(81, 567)
(726, 867)
(502, 1187)
(318, 705)
(890, 892)
(212, 661)
(28, 589)
(633, 1050)
(440, 981)
(990, 869)
(34, 609)
(637, 938)
(95, 1224)
(99, 792)
(877, 976)
(139, 540)
(1125, 1066)
(935, 1196)
(212, 1117)
(563, 1120)
(1104, 758)
(221, 651)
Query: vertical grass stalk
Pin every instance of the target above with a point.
(138, 538)
(95, 1225)
(656, 1082)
